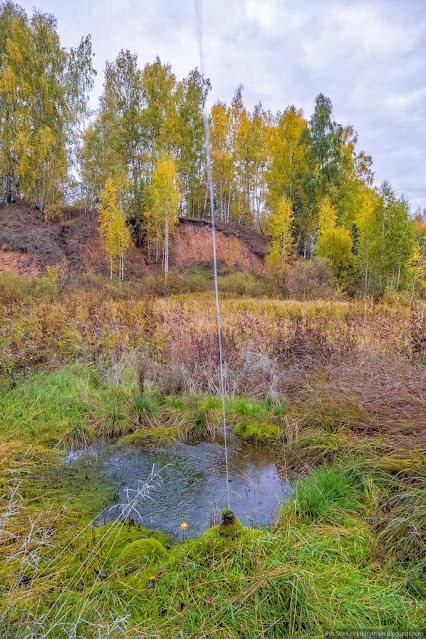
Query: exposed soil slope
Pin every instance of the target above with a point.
(238, 247)
(28, 245)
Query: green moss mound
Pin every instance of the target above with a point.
(113, 537)
(139, 553)
(230, 526)
(218, 536)
(257, 432)
(160, 436)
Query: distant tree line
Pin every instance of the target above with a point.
(141, 157)
(44, 91)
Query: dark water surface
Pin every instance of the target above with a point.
(193, 487)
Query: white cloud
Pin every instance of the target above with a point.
(264, 13)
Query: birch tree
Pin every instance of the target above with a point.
(43, 101)
(280, 227)
(118, 240)
(334, 242)
(163, 216)
(113, 228)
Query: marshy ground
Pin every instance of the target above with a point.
(336, 388)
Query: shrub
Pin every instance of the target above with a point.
(336, 245)
(20, 289)
(240, 283)
(311, 279)
(396, 298)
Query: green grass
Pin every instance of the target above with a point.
(145, 405)
(333, 492)
(43, 407)
(75, 407)
(313, 571)
(240, 407)
(71, 407)
(175, 402)
(346, 552)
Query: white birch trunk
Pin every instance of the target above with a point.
(166, 248)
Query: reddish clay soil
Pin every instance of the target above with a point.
(237, 247)
(28, 245)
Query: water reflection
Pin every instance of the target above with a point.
(193, 487)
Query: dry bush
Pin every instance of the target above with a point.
(310, 280)
(179, 336)
(418, 333)
(262, 351)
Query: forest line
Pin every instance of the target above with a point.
(301, 181)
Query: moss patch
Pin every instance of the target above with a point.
(218, 536)
(113, 537)
(160, 436)
(230, 525)
(139, 553)
(258, 432)
(78, 485)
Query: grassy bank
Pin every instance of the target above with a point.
(341, 386)
(320, 567)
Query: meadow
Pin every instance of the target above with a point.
(337, 386)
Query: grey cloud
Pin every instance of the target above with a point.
(369, 57)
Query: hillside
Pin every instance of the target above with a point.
(28, 245)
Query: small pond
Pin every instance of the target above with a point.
(193, 483)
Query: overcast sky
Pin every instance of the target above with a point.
(368, 57)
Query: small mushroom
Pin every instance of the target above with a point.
(151, 582)
(183, 526)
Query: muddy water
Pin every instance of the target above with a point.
(193, 486)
